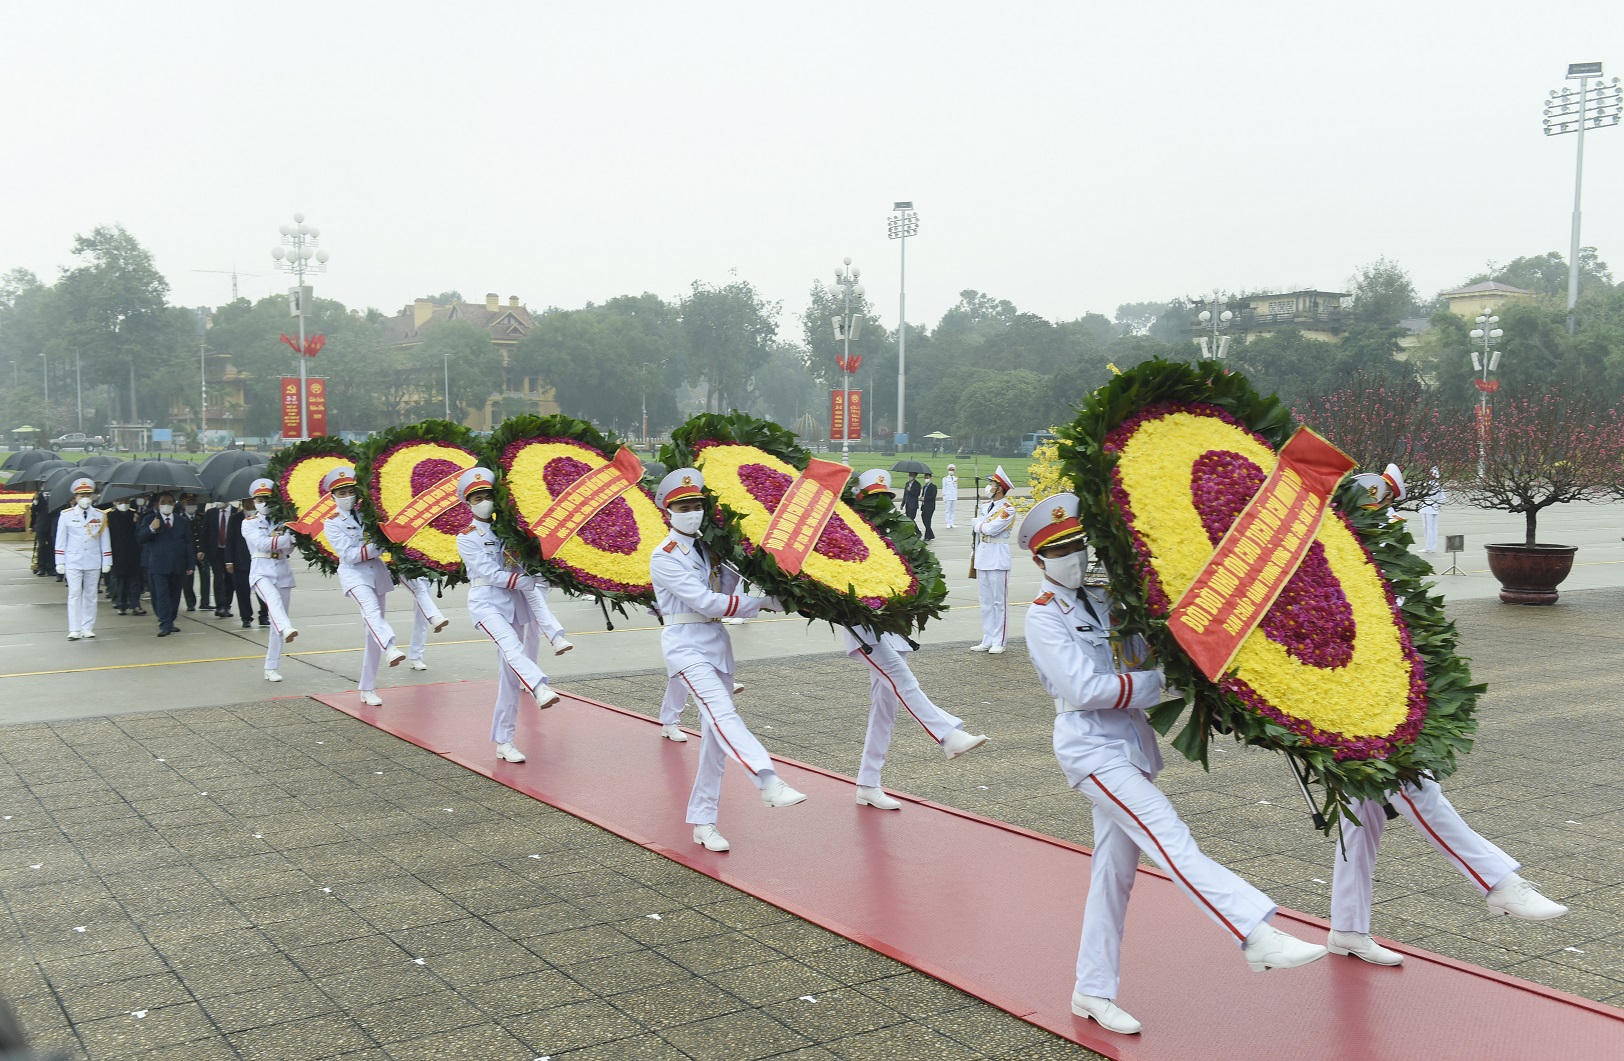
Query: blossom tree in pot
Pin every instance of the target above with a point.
(1526, 455)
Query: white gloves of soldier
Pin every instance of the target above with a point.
(772, 604)
(107, 566)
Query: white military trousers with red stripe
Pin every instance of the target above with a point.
(1437, 820)
(891, 685)
(1131, 815)
(502, 616)
(723, 736)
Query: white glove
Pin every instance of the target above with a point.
(107, 566)
(772, 604)
(526, 583)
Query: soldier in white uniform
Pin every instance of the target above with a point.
(364, 578)
(499, 603)
(891, 684)
(1108, 752)
(694, 591)
(269, 574)
(426, 616)
(1432, 499)
(995, 519)
(950, 494)
(84, 552)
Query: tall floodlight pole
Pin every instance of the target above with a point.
(202, 372)
(45, 360)
(1485, 361)
(902, 224)
(1570, 111)
(295, 256)
(846, 325)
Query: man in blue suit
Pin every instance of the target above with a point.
(168, 537)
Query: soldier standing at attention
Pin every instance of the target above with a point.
(950, 495)
(84, 552)
(994, 519)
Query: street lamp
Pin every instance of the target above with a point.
(295, 256)
(1485, 361)
(643, 393)
(1568, 111)
(847, 328)
(902, 224)
(1215, 347)
(46, 375)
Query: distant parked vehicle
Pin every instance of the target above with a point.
(1033, 440)
(79, 440)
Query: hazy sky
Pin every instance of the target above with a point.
(1062, 156)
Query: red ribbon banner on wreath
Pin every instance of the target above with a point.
(804, 511)
(583, 499)
(311, 519)
(1259, 554)
(423, 509)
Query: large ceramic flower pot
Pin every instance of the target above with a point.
(1529, 574)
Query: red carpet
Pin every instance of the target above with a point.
(995, 910)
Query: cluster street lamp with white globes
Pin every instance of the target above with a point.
(1573, 111)
(847, 328)
(1485, 361)
(1216, 347)
(298, 255)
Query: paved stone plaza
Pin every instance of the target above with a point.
(276, 880)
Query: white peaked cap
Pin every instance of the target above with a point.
(1050, 521)
(343, 475)
(873, 479)
(684, 482)
(474, 479)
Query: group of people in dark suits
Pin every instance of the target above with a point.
(919, 501)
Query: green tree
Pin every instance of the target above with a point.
(604, 361)
(1547, 274)
(465, 354)
(1383, 294)
(729, 330)
(994, 412)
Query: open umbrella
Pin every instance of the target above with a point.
(215, 470)
(33, 477)
(235, 486)
(938, 435)
(58, 487)
(146, 477)
(23, 458)
(917, 467)
(100, 467)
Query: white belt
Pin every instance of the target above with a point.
(267, 556)
(1062, 705)
(688, 617)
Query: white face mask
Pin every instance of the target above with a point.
(122, 507)
(482, 509)
(345, 503)
(167, 510)
(84, 502)
(688, 522)
(262, 507)
(191, 510)
(1067, 570)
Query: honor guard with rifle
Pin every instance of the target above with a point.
(995, 519)
(84, 552)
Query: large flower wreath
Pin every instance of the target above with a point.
(297, 472)
(401, 464)
(868, 568)
(537, 458)
(1366, 690)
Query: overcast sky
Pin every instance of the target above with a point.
(1063, 157)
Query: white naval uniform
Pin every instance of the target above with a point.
(891, 683)
(993, 522)
(498, 606)
(950, 496)
(426, 614)
(366, 580)
(83, 548)
(1430, 504)
(271, 577)
(1437, 820)
(1108, 752)
(694, 597)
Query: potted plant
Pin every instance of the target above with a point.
(1527, 454)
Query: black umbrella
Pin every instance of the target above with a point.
(235, 487)
(33, 477)
(100, 467)
(26, 457)
(217, 468)
(911, 466)
(155, 475)
(58, 488)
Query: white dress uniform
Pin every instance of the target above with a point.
(365, 579)
(270, 575)
(1109, 753)
(994, 522)
(950, 494)
(1431, 502)
(694, 594)
(426, 616)
(891, 684)
(84, 550)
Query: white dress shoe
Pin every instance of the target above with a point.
(995, 650)
(287, 638)
(958, 742)
(1521, 899)
(674, 733)
(272, 676)
(978, 648)
(876, 798)
(73, 635)
(561, 645)
(394, 656)
(442, 624)
(1109, 1015)
(91, 634)
(738, 687)
(418, 664)
(1269, 948)
(507, 751)
(1361, 946)
(778, 794)
(710, 839)
(371, 699)
(545, 697)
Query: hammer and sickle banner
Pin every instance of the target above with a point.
(804, 511)
(583, 499)
(310, 521)
(425, 508)
(1258, 556)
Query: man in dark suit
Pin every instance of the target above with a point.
(910, 496)
(927, 505)
(213, 549)
(168, 537)
(239, 565)
(44, 535)
(196, 587)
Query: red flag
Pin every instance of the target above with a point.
(291, 343)
(313, 347)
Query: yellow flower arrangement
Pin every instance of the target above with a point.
(399, 475)
(301, 487)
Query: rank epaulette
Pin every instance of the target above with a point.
(1045, 599)
(669, 546)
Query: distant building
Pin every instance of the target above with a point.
(1317, 314)
(228, 401)
(1487, 297)
(507, 325)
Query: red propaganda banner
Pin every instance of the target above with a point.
(316, 405)
(854, 415)
(583, 499)
(837, 415)
(1259, 554)
(804, 511)
(290, 407)
(423, 509)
